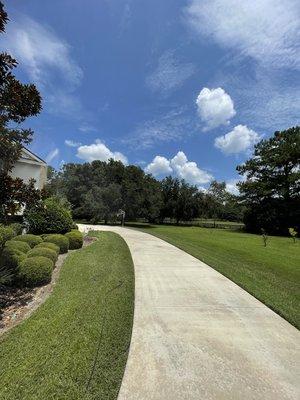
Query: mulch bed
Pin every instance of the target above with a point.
(16, 304)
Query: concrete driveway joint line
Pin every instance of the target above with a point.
(197, 335)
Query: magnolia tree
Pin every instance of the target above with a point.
(18, 101)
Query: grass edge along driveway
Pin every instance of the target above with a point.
(271, 274)
(70, 348)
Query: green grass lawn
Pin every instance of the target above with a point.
(75, 345)
(272, 273)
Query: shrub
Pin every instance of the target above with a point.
(6, 233)
(35, 271)
(17, 228)
(44, 252)
(48, 245)
(11, 258)
(60, 240)
(6, 276)
(32, 240)
(75, 239)
(18, 245)
(53, 215)
(74, 227)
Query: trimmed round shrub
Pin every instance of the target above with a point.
(32, 240)
(44, 252)
(6, 233)
(48, 245)
(18, 245)
(60, 240)
(53, 215)
(75, 239)
(11, 258)
(35, 271)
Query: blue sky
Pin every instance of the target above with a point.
(178, 87)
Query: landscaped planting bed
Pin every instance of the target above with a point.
(75, 345)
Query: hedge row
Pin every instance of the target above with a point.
(30, 258)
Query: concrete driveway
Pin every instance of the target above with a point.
(196, 335)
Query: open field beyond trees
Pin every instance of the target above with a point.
(271, 273)
(75, 345)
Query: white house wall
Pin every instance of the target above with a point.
(27, 170)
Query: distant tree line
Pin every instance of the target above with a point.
(97, 190)
(269, 190)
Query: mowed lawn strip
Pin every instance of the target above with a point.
(63, 351)
(271, 274)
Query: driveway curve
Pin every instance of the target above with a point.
(197, 335)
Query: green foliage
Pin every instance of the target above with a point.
(35, 271)
(271, 191)
(18, 245)
(180, 200)
(18, 101)
(44, 252)
(6, 233)
(53, 215)
(264, 237)
(293, 233)
(11, 258)
(103, 203)
(6, 276)
(51, 343)
(75, 239)
(32, 240)
(17, 228)
(14, 194)
(60, 240)
(48, 245)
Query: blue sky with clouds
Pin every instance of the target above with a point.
(182, 87)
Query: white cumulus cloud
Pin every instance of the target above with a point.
(265, 30)
(99, 151)
(189, 170)
(180, 167)
(215, 107)
(159, 166)
(239, 140)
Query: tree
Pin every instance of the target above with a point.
(271, 191)
(221, 204)
(17, 102)
(102, 203)
(181, 201)
(15, 194)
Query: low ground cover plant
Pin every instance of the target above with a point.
(60, 240)
(32, 240)
(75, 239)
(35, 271)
